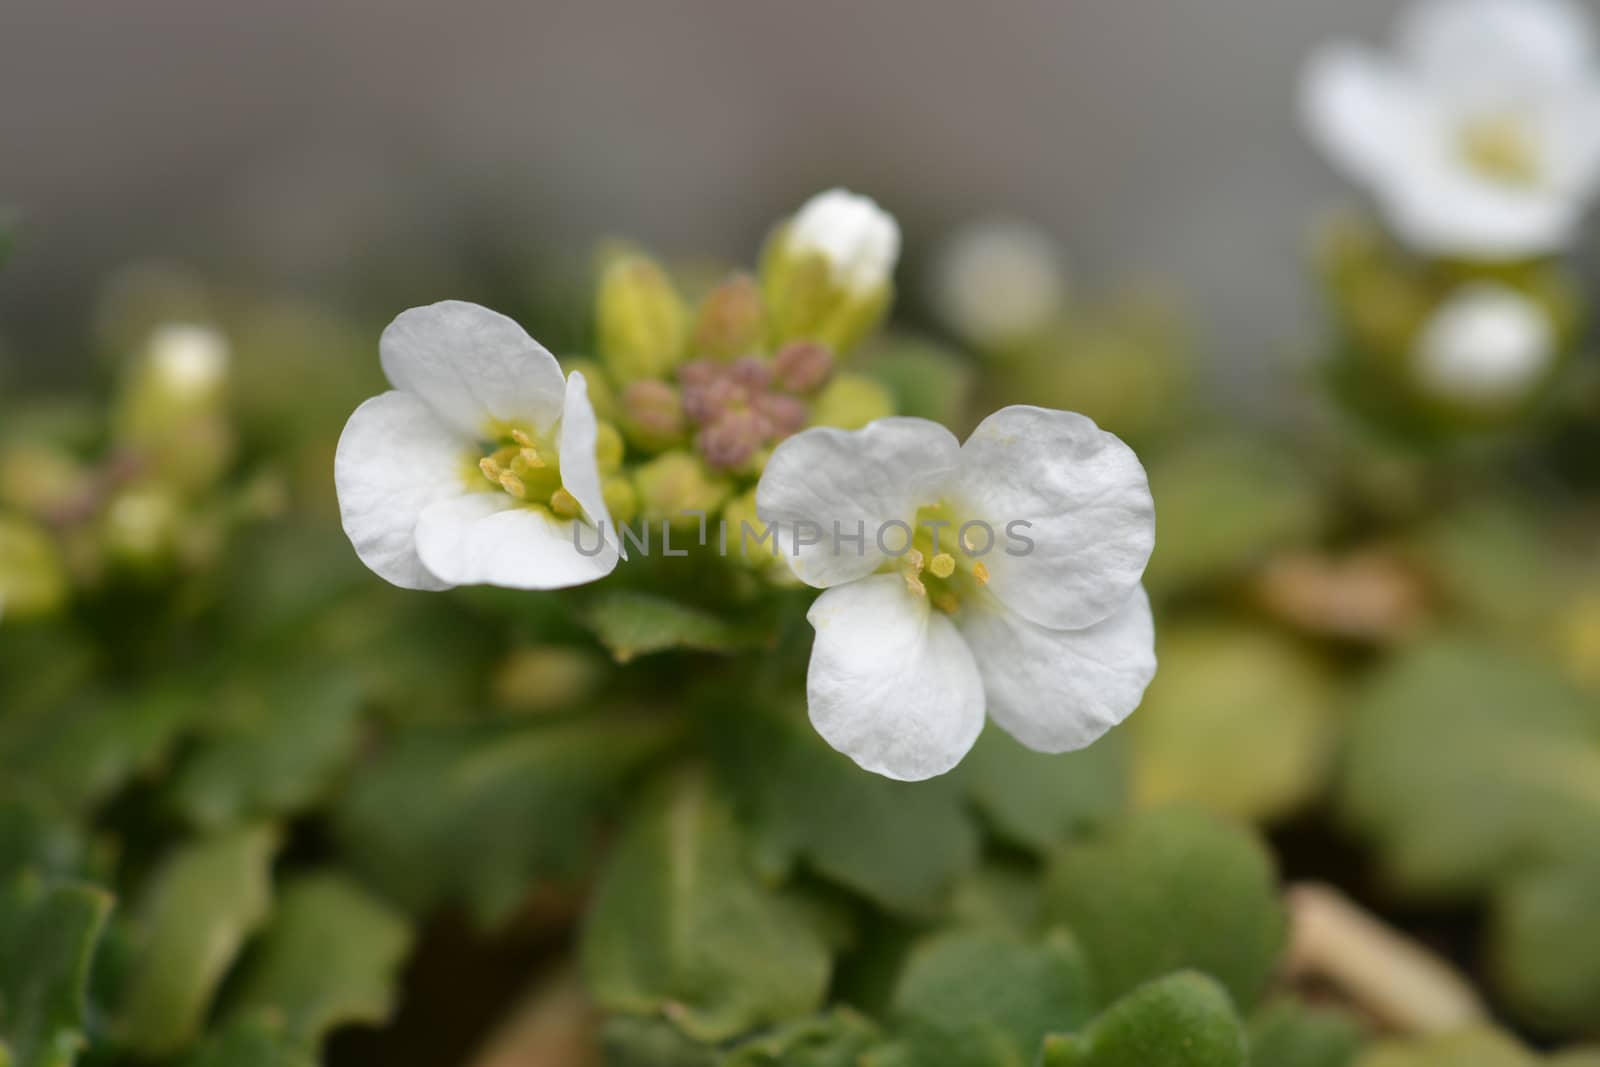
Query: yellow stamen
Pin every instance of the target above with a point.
(947, 603)
(943, 565)
(521, 437)
(914, 560)
(565, 504)
(1501, 148)
(980, 572)
(531, 458)
(490, 469)
(513, 485)
(914, 584)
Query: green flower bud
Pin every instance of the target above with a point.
(42, 480)
(33, 581)
(546, 678)
(827, 273)
(850, 401)
(675, 483)
(602, 396)
(732, 321)
(652, 415)
(172, 411)
(140, 527)
(622, 501)
(642, 321)
(608, 448)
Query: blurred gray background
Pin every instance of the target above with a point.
(316, 144)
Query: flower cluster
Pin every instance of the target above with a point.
(487, 463)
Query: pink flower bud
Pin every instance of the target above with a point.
(731, 440)
(802, 366)
(783, 415)
(752, 372)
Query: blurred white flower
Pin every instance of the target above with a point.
(189, 360)
(1487, 344)
(860, 240)
(476, 466)
(1480, 136)
(999, 575)
(999, 281)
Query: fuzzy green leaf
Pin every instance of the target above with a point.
(1183, 1020)
(48, 934)
(834, 1039)
(679, 926)
(1476, 1047)
(1171, 890)
(1287, 1033)
(478, 812)
(631, 624)
(331, 957)
(981, 998)
(251, 1042)
(192, 919)
(1038, 800)
(1226, 698)
(633, 1042)
(904, 845)
(276, 754)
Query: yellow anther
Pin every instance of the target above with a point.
(914, 560)
(490, 469)
(914, 584)
(943, 565)
(531, 458)
(521, 437)
(565, 504)
(980, 572)
(947, 603)
(513, 485)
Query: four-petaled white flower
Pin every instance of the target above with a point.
(1486, 344)
(860, 240)
(1481, 138)
(475, 467)
(1055, 642)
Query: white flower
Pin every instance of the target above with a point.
(1487, 344)
(1481, 137)
(995, 282)
(912, 645)
(476, 466)
(860, 240)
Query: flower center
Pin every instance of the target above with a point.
(528, 468)
(1500, 147)
(943, 563)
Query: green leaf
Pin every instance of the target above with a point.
(1223, 506)
(1544, 943)
(331, 957)
(193, 917)
(33, 838)
(477, 812)
(981, 998)
(1478, 1047)
(276, 754)
(1466, 765)
(927, 381)
(834, 1039)
(1288, 1033)
(904, 845)
(1237, 719)
(1171, 890)
(1183, 1020)
(250, 1042)
(48, 934)
(1039, 801)
(633, 624)
(679, 926)
(630, 1042)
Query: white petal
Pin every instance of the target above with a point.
(1488, 343)
(860, 240)
(1357, 108)
(1086, 498)
(1441, 208)
(826, 479)
(580, 471)
(892, 684)
(1060, 690)
(395, 458)
(473, 366)
(1470, 45)
(491, 539)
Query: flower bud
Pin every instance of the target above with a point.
(643, 324)
(732, 321)
(652, 415)
(851, 401)
(802, 366)
(1487, 347)
(140, 527)
(827, 273)
(781, 415)
(545, 678)
(608, 448)
(33, 581)
(674, 484)
(172, 411)
(601, 395)
(728, 443)
(622, 501)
